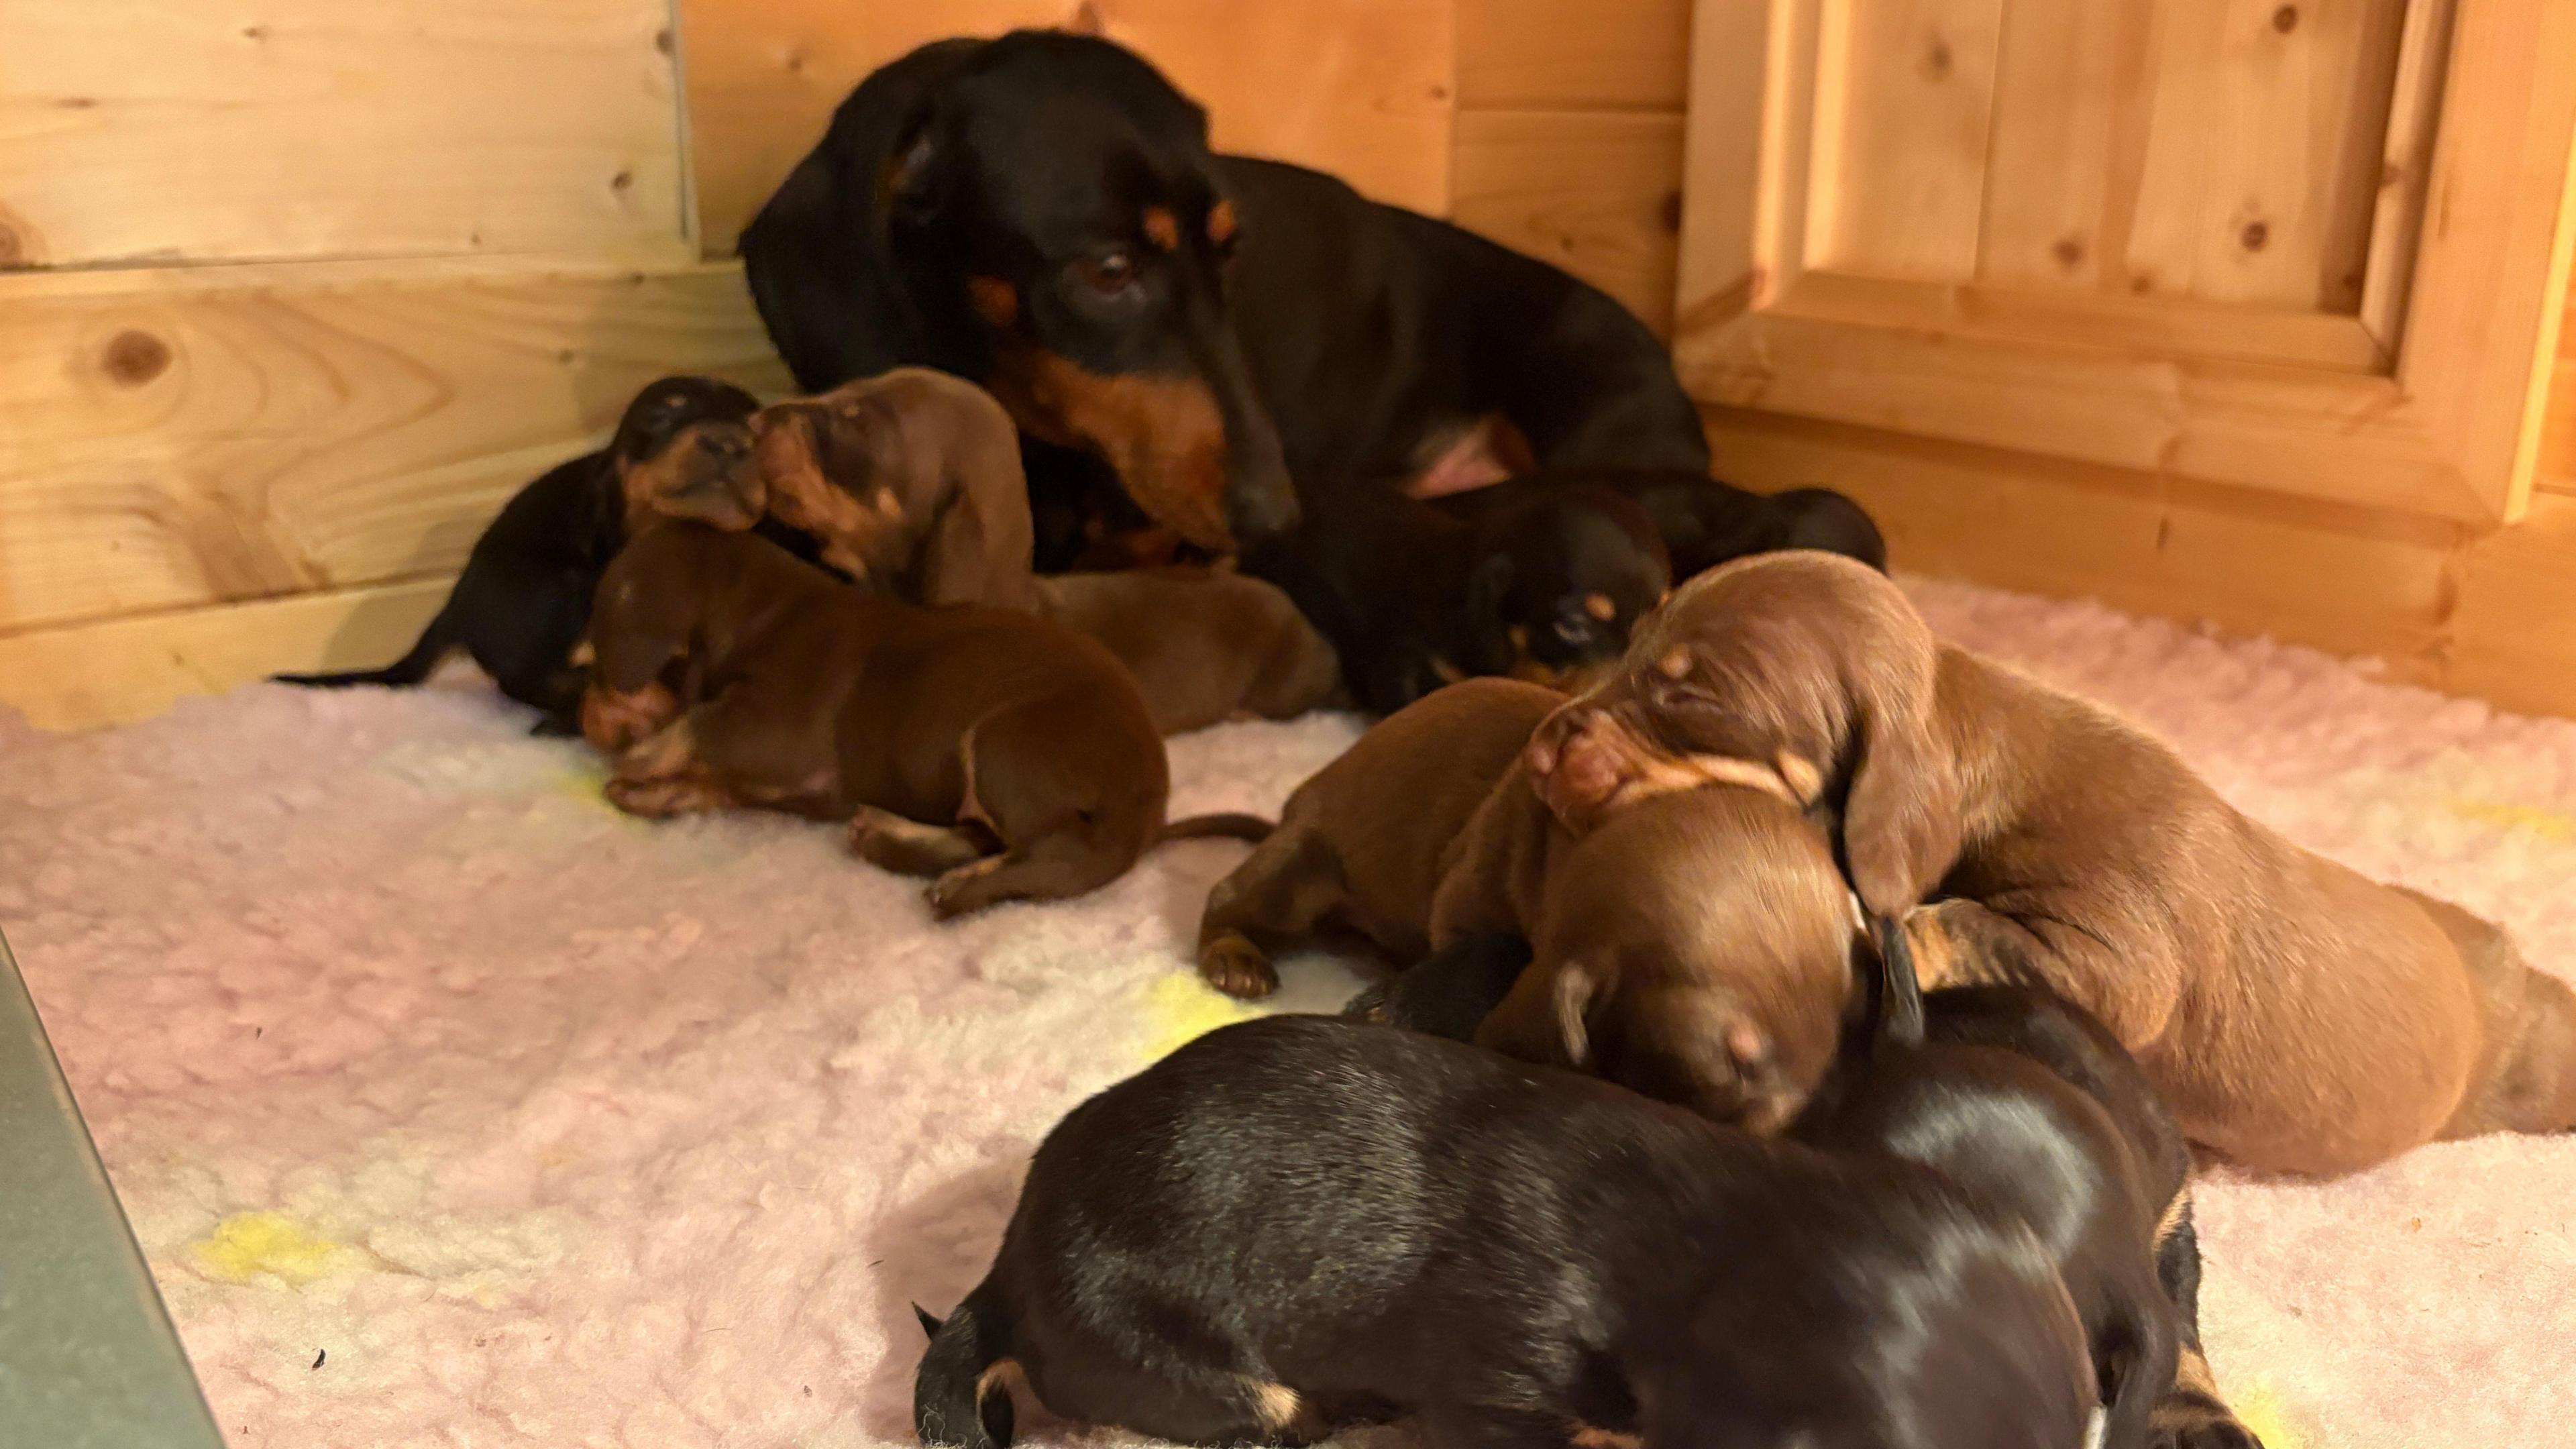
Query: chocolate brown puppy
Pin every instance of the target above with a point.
(910, 481)
(1205, 645)
(2299, 1016)
(1299, 1222)
(1697, 948)
(1005, 756)
(1364, 843)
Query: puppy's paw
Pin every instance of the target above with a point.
(1377, 1004)
(1235, 966)
(962, 891)
(2193, 1422)
(653, 799)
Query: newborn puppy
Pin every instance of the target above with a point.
(1205, 645)
(910, 481)
(1702, 521)
(1364, 842)
(1696, 948)
(2298, 1016)
(520, 606)
(2016, 1094)
(1300, 1221)
(1413, 598)
(1005, 756)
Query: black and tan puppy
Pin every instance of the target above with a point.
(1412, 598)
(1364, 842)
(1040, 213)
(1006, 756)
(1702, 521)
(1205, 645)
(1300, 1221)
(2020, 1097)
(521, 604)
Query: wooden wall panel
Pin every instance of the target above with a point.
(1597, 193)
(1605, 55)
(1905, 96)
(178, 438)
(139, 130)
(111, 671)
(1362, 88)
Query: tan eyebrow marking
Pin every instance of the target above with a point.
(1162, 229)
(1221, 222)
(1599, 606)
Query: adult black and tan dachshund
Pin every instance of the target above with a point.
(1041, 213)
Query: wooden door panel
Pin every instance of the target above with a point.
(2304, 245)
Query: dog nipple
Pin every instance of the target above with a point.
(1675, 666)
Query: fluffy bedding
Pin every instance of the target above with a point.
(452, 1107)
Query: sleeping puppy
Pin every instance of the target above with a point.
(1703, 522)
(1413, 598)
(1006, 757)
(1298, 1222)
(1205, 645)
(1363, 843)
(2298, 1016)
(910, 482)
(520, 605)
(1697, 947)
(2014, 1093)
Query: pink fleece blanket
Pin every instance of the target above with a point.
(453, 1108)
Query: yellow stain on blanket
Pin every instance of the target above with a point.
(2548, 825)
(1181, 1008)
(2261, 1410)
(248, 1245)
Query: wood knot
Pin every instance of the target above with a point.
(135, 357)
(1669, 212)
(1086, 19)
(2255, 236)
(254, 33)
(2286, 19)
(622, 182)
(1938, 62)
(2069, 252)
(662, 40)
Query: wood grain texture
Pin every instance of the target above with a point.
(133, 130)
(1905, 96)
(116, 670)
(1361, 88)
(2557, 467)
(197, 435)
(1547, 55)
(1597, 193)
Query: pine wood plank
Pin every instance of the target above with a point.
(1597, 193)
(139, 131)
(204, 434)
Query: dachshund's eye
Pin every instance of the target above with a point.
(1109, 273)
(1574, 631)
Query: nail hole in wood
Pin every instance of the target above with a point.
(1937, 62)
(2069, 252)
(2286, 19)
(2256, 235)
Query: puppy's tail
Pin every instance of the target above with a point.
(1899, 994)
(960, 1396)
(1217, 827)
(403, 673)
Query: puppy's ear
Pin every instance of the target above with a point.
(1546, 1017)
(1901, 819)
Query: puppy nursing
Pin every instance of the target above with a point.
(2298, 1016)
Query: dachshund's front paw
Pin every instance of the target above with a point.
(1235, 966)
(963, 891)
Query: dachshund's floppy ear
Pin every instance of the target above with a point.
(1546, 1018)
(1901, 820)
